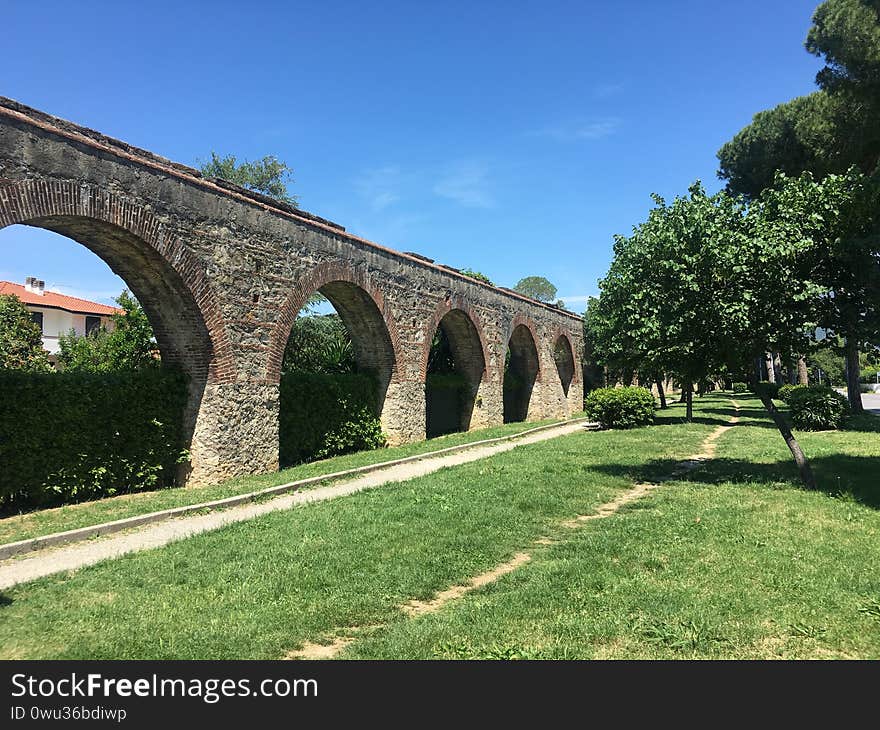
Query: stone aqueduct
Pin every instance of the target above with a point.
(222, 273)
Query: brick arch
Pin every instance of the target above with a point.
(450, 304)
(524, 370)
(169, 281)
(560, 333)
(529, 324)
(324, 276)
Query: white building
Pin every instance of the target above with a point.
(58, 313)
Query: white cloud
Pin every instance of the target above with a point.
(577, 302)
(466, 183)
(380, 186)
(575, 132)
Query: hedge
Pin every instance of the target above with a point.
(325, 414)
(69, 437)
(740, 388)
(786, 391)
(621, 407)
(817, 408)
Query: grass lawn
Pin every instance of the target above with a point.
(732, 561)
(735, 561)
(261, 588)
(85, 514)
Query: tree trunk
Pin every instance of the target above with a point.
(689, 399)
(661, 393)
(777, 369)
(853, 370)
(768, 361)
(802, 372)
(799, 458)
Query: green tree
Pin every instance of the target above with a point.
(319, 344)
(268, 176)
(477, 275)
(129, 345)
(21, 341)
(672, 300)
(827, 131)
(536, 287)
(831, 231)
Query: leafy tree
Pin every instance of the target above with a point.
(827, 131)
(829, 233)
(477, 275)
(21, 341)
(268, 176)
(129, 345)
(319, 344)
(792, 137)
(536, 287)
(672, 302)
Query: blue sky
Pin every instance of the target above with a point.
(514, 138)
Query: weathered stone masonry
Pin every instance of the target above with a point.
(223, 272)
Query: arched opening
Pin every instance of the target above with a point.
(520, 373)
(453, 375)
(118, 416)
(564, 358)
(338, 362)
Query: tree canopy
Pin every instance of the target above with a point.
(129, 345)
(536, 287)
(268, 176)
(21, 340)
(479, 275)
(829, 130)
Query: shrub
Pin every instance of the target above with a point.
(767, 389)
(786, 390)
(325, 414)
(817, 407)
(69, 437)
(621, 407)
(740, 388)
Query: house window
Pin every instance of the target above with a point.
(38, 318)
(92, 323)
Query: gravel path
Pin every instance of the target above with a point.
(78, 555)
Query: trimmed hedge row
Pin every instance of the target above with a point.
(817, 407)
(325, 414)
(621, 407)
(72, 436)
(740, 388)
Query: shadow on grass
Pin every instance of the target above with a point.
(843, 475)
(865, 422)
(5, 600)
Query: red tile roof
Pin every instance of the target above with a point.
(55, 300)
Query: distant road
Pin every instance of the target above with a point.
(871, 401)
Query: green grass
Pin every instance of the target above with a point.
(260, 588)
(734, 560)
(85, 514)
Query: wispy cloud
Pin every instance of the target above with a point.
(381, 186)
(575, 132)
(93, 295)
(577, 302)
(467, 183)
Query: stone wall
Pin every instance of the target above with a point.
(222, 274)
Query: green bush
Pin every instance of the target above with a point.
(786, 390)
(325, 414)
(740, 388)
(817, 407)
(621, 407)
(69, 437)
(768, 389)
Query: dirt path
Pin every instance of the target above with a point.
(343, 637)
(55, 560)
